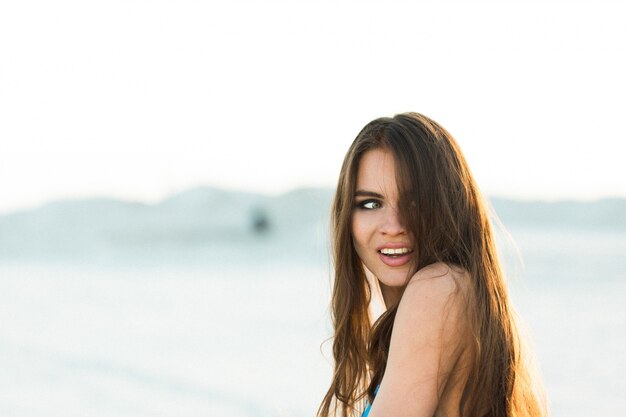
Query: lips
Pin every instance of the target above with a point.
(396, 254)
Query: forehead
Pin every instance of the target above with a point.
(377, 173)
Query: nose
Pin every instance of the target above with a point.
(391, 223)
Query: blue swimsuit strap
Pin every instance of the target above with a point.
(369, 406)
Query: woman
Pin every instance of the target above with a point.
(408, 213)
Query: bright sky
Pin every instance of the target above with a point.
(138, 99)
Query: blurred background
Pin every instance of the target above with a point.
(167, 167)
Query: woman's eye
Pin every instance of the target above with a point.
(370, 204)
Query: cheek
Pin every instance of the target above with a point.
(361, 230)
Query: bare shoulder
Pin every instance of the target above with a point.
(435, 304)
(437, 283)
(427, 340)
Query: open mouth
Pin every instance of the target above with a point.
(395, 253)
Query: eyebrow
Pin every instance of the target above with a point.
(364, 193)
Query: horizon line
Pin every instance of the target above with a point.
(153, 202)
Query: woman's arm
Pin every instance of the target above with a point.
(426, 343)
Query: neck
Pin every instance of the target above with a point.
(391, 295)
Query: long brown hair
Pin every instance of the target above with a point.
(443, 210)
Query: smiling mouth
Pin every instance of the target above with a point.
(395, 253)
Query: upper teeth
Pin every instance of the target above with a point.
(389, 251)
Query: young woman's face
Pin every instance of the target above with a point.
(381, 241)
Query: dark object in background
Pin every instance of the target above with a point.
(260, 221)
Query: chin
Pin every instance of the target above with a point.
(393, 278)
